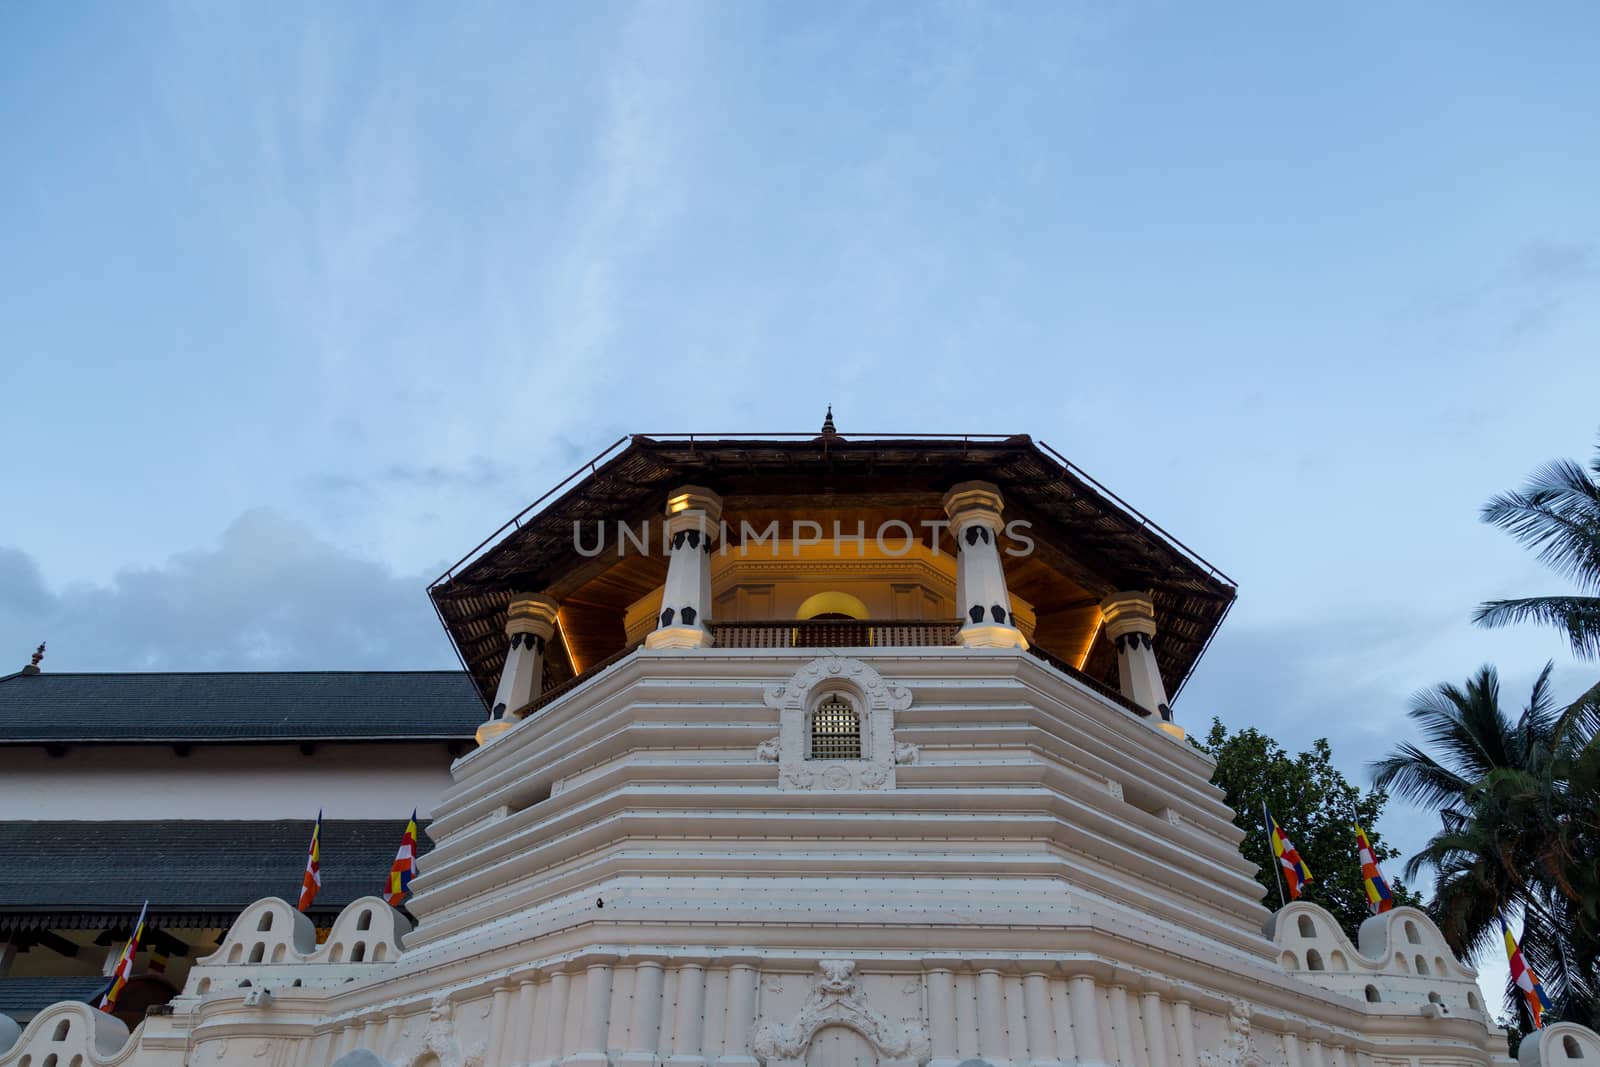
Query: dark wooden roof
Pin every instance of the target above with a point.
(68, 874)
(237, 707)
(1083, 530)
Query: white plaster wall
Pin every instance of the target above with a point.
(223, 782)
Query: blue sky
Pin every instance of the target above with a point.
(301, 301)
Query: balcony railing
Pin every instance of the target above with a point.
(834, 633)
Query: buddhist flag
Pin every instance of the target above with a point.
(1526, 980)
(405, 865)
(311, 881)
(124, 968)
(1379, 897)
(1294, 869)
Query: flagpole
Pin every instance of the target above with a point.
(1272, 856)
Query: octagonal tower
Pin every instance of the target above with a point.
(837, 751)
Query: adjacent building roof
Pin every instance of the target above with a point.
(235, 707)
(63, 874)
(26, 996)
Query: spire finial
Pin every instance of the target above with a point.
(828, 429)
(33, 664)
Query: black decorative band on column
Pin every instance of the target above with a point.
(688, 616)
(1130, 641)
(999, 614)
(976, 613)
(1166, 712)
(666, 617)
(677, 539)
(977, 533)
(498, 712)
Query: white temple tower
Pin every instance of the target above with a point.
(845, 752)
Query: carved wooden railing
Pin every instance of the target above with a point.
(1113, 695)
(834, 633)
(576, 680)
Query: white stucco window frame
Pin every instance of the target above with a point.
(875, 701)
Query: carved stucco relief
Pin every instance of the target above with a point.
(836, 999)
(875, 700)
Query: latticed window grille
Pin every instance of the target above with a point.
(835, 730)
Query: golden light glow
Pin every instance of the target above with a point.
(832, 603)
(1099, 624)
(678, 503)
(561, 628)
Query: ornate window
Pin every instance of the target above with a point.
(835, 729)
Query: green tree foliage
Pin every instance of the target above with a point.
(1316, 806)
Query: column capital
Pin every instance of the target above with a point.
(532, 614)
(1129, 612)
(692, 500)
(974, 502)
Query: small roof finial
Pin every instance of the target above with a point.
(828, 429)
(33, 665)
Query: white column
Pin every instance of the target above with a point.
(596, 1018)
(1130, 624)
(981, 595)
(372, 1033)
(692, 517)
(1041, 1029)
(522, 1036)
(1291, 1051)
(530, 623)
(499, 1019)
(741, 1015)
(942, 1017)
(1086, 1038)
(1154, 1017)
(1183, 1023)
(645, 1032)
(991, 1017)
(1121, 1025)
(689, 1021)
(552, 1042)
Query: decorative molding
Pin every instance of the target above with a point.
(837, 1000)
(439, 1038)
(876, 701)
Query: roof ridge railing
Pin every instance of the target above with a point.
(593, 465)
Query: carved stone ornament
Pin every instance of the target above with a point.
(837, 1000)
(875, 700)
(439, 1038)
(1235, 1049)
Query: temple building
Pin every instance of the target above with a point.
(197, 792)
(825, 750)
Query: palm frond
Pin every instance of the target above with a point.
(1578, 616)
(1557, 513)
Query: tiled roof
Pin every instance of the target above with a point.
(187, 866)
(25, 996)
(274, 706)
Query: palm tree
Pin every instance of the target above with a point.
(1557, 513)
(1518, 799)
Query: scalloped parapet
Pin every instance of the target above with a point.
(1402, 964)
(273, 946)
(70, 1032)
(1559, 1044)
